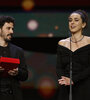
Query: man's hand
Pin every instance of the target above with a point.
(13, 72)
(1, 69)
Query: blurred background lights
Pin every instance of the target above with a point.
(32, 25)
(46, 87)
(50, 35)
(45, 35)
(56, 27)
(42, 35)
(28, 4)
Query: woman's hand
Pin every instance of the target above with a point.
(64, 81)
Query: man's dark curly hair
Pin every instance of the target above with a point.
(4, 19)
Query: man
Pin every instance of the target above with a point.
(10, 84)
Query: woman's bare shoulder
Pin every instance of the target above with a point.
(88, 39)
(63, 41)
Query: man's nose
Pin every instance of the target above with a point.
(11, 31)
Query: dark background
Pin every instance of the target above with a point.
(40, 48)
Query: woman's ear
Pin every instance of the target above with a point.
(0, 31)
(84, 25)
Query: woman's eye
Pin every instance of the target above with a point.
(76, 20)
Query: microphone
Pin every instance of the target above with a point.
(70, 93)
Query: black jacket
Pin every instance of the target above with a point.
(17, 52)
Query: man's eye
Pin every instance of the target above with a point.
(12, 28)
(8, 28)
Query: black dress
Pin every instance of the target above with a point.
(80, 72)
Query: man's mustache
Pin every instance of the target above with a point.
(10, 35)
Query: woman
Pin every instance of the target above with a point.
(74, 52)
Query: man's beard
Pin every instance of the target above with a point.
(8, 40)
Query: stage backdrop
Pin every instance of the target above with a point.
(42, 24)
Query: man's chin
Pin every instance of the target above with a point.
(8, 40)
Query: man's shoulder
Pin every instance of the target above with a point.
(15, 46)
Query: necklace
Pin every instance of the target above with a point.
(78, 40)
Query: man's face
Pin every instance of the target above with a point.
(6, 31)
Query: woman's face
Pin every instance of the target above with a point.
(75, 23)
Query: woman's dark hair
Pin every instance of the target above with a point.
(4, 19)
(83, 15)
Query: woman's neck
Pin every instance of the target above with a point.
(76, 38)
